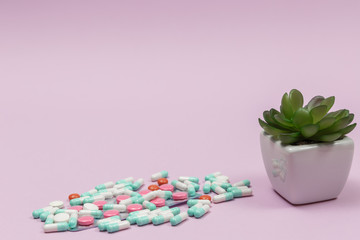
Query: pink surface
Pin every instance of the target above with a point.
(85, 221)
(167, 187)
(134, 207)
(175, 85)
(110, 213)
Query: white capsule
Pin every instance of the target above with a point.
(118, 192)
(61, 217)
(199, 212)
(117, 226)
(90, 206)
(217, 189)
(222, 178)
(223, 197)
(179, 185)
(242, 183)
(120, 207)
(49, 219)
(107, 195)
(120, 185)
(179, 218)
(150, 196)
(58, 204)
(158, 175)
(56, 227)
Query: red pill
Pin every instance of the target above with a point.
(162, 181)
(205, 197)
(74, 195)
(153, 187)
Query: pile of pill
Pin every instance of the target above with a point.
(116, 206)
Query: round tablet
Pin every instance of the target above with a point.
(74, 195)
(111, 213)
(90, 206)
(58, 204)
(61, 217)
(134, 207)
(100, 204)
(162, 181)
(159, 202)
(143, 192)
(205, 197)
(153, 187)
(77, 208)
(179, 196)
(86, 220)
(121, 197)
(167, 187)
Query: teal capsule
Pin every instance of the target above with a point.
(207, 187)
(108, 206)
(199, 212)
(143, 220)
(137, 184)
(135, 194)
(132, 218)
(241, 192)
(192, 209)
(85, 194)
(158, 220)
(44, 215)
(196, 186)
(102, 224)
(49, 219)
(76, 201)
(225, 185)
(149, 205)
(36, 213)
(95, 213)
(191, 190)
(158, 210)
(175, 210)
(178, 218)
(56, 227)
(73, 220)
(139, 199)
(89, 200)
(117, 226)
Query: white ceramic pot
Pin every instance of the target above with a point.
(307, 173)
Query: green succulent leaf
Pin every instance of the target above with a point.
(296, 99)
(314, 102)
(327, 138)
(286, 107)
(329, 102)
(302, 117)
(283, 122)
(290, 138)
(318, 113)
(271, 130)
(338, 125)
(326, 122)
(309, 130)
(339, 114)
(348, 129)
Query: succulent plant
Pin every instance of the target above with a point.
(296, 123)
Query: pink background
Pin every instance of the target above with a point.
(100, 90)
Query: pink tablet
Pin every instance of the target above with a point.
(143, 192)
(167, 187)
(77, 208)
(110, 213)
(100, 204)
(179, 196)
(86, 220)
(121, 197)
(159, 202)
(134, 207)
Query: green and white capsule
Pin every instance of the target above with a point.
(45, 214)
(133, 217)
(145, 219)
(196, 186)
(179, 185)
(102, 224)
(130, 200)
(137, 184)
(213, 175)
(191, 179)
(99, 197)
(106, 194)
(95, 213)
(160, 219)
(163, 194)
(36, 213)
(191, 190)
(73, 220)
(192, 209)
(122, 185)
(217, 189)
(49, 219)
(223, 197)
(150, 196)
(147, 211)
(120, 207)
(242, 192)
(192, 202)
(158, 175)
(149, 205)
(175, 211)
(105, 185)
(199, 212)
(224, 185)
(126, 180)
(89, 193)
(68, 211)
(179, 218)
(158, 210)
(78, 201)
(234, 188)
(242, 183)
(56, 227)
(117, 226)
(207, 187)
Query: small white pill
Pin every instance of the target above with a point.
(90, 206)
(58, 204)
(61, 217)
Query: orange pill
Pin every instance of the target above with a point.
(162, 181)
(153, 187)
(73, 195)
(205, 197)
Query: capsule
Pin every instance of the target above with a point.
(93, 199)
(191, 179)
(192, 209)
(242, 192)
(78, 201)
(158, 175)
(126, 180)
(192, 202)
(149, 205)
(224, 185)
(158, 210)
(217, 189)
(222, 178)
(150, 196)
(137, 184)
(207, 187)
(234, 188)
(117, 226)
(95, 213)
(49, 219)
(56, 227)
(175, 211)
(179, 218)
(120, 207)
(242, 183)
(36, 213)
(223, 197)
(133, 217)
(107, 195)
(196, 186)
(89, 193)
(130, 201)
(191, 190)
(73, 220)
(199, 212)
(122, 185)
(163, 194)
(45, 214)
(102, 224)
(145, 219)
(68, 211)
(179, 185)
(213, 175)
(105, 185)
(162, 218)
